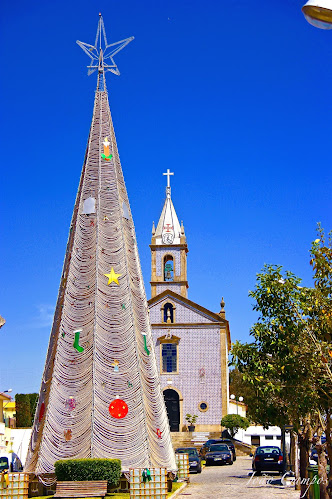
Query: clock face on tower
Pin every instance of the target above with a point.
(168, 234)
(168, 238)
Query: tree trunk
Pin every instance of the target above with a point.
(304, 461)
(295, 459)
(322, 473)
(328, 432)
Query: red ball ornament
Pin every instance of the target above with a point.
(118, 409)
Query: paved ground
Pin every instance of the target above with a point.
(234, 481)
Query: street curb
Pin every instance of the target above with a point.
(177, 492)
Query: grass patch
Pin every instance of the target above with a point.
(176, 486)
(119, 495)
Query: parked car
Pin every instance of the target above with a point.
(194, 458)
(206, 446)
(313, 458)
(10, 461)
(267, 458)
(230, 445)
(203, 449)
(219, 454)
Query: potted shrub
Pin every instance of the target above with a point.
(191, 420)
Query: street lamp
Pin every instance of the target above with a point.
(240, 399)
(318, 13)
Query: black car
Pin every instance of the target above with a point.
(206, 446)
(219, 454)
(194, 458)
(267, 458)
(314, 456)
(230, 445)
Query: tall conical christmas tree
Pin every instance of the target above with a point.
(100, 394)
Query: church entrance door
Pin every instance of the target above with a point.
(172, 403)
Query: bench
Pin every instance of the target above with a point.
(94, 488)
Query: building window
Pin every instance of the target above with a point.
(203, 406)
(268, 437)
(168, 313)
(168, 268)
(278, 437)
(169, 353)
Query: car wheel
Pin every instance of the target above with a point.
(231, 462)
(199, 470)
(258, 473)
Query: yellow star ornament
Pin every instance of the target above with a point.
(112, 277)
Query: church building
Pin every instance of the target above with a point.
(191, 342)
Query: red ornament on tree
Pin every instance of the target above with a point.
(118, 409)
(41, 412)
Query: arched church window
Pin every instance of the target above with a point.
(168, 268)
(168, 313)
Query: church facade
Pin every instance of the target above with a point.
(191, 342)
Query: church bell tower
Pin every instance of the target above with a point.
(168, 251)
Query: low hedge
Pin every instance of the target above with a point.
(89, 469)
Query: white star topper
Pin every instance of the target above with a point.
(99, 55)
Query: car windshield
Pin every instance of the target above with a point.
(4, 465)
(268, 450)
(218, 447)
(191, 452)
(209, 442)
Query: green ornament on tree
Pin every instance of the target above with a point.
(146, 475)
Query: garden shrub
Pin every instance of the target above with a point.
(89, 469)
(25, 406)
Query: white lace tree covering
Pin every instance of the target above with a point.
(73, 418)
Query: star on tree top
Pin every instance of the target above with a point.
(99, 55)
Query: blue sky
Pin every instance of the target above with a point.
(234, 97)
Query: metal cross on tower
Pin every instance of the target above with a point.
(98, 54)
(168, 174)
(168, 188)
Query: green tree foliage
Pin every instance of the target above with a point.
(25, 404)
(233, 422)
(89, 469)
(33, 399)
(22, 407)
(289, 361)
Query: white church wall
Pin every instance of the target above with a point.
(199, 376)
(167, 286)
(183, 313)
